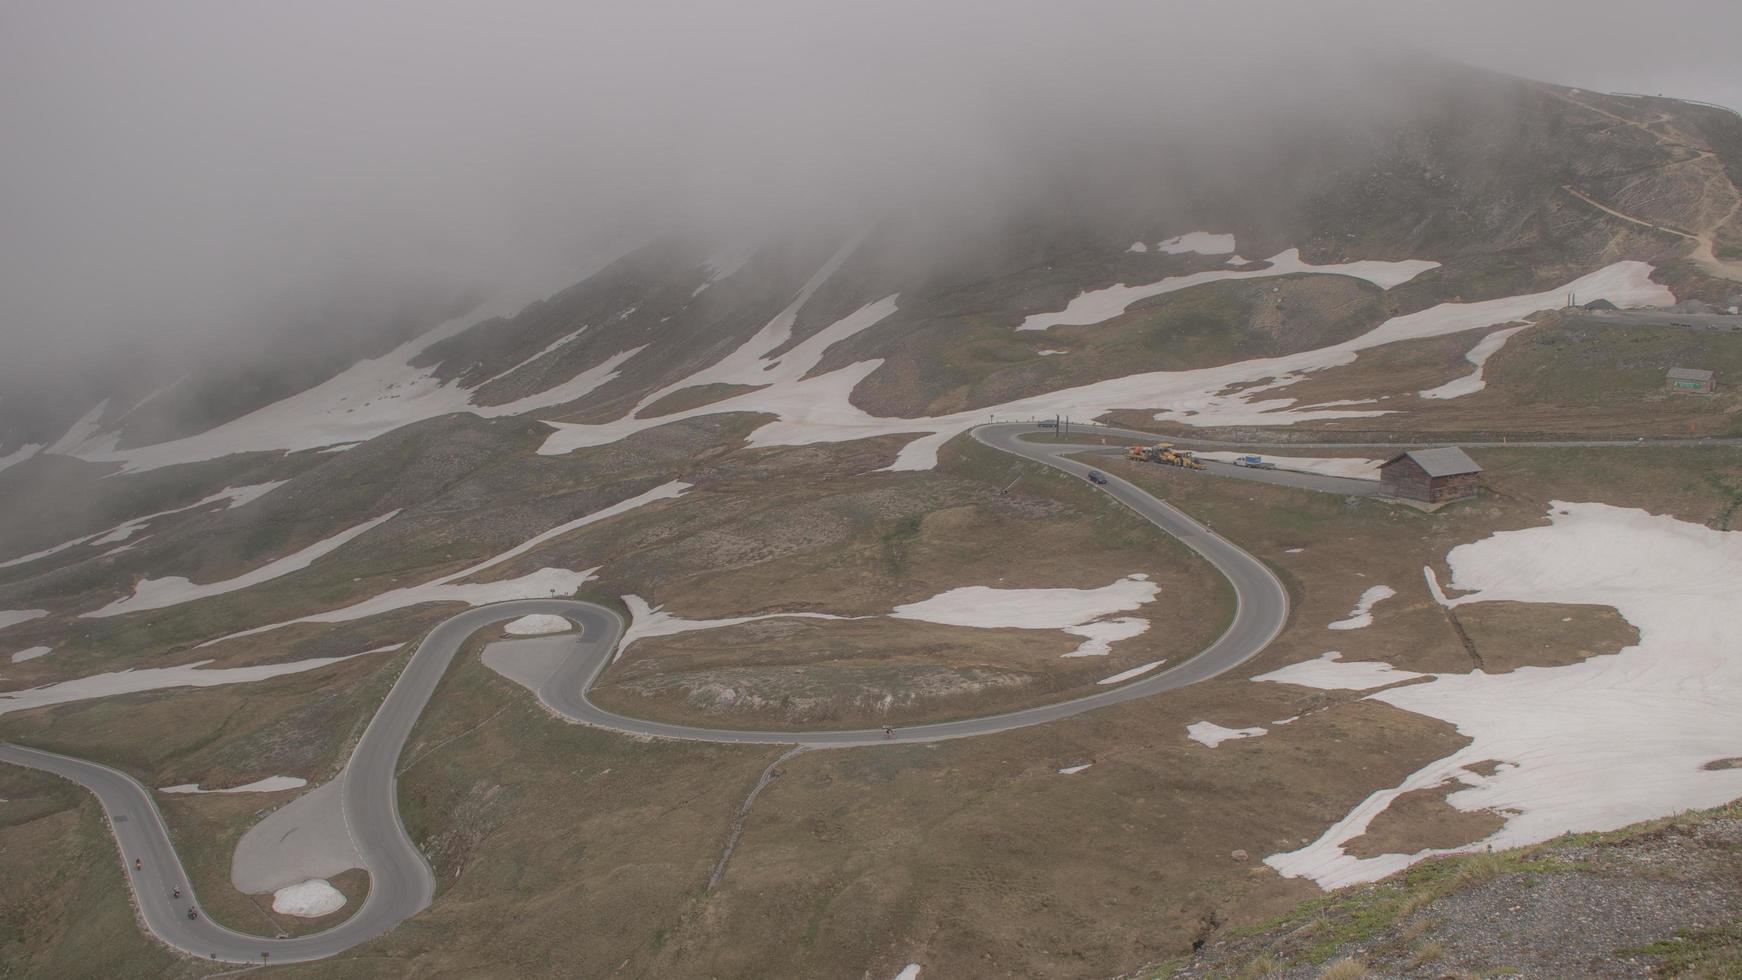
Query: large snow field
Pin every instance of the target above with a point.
(372, 397)
(817, 409)
(308, 899)
(233, 496)
(1361, 616)
(271, 784)
(154, 679)
(159, 593)
(1352, 468)
(543, 583)
(1473, 382)
(1591, 746)
(378, 395)
(1101, 305)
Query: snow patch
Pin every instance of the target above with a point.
(309, 899)
(1201, 242)
(80, 432)
(371, 397)
(818, 409)
(1126, 675)
(908, 972)
(271, 784)
(1073, 770)
(538, 624)
(1330, 673)
(1211, 734)
(20, 454)
(1100, 635)
(1138, 247)
(159, 593)
(1646, 719)
(152, 679)
(12, 617)
(1361, 616)
(233, 496)
(544, 583)
(31, 653)
(1101, 305)
(1050, 351)
(646, 621)
(1034, 609)
(1471, 383)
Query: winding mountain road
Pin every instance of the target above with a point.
(401, 882)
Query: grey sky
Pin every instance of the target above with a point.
(175, 169)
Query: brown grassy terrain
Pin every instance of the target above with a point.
(865, 545)
(65, 910)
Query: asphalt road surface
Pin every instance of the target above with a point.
(401, 883)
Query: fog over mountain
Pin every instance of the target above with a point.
(240, 179)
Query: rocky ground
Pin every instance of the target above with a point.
(1655, 900)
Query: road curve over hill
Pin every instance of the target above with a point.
(401, 883)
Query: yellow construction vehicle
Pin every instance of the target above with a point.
(1180, 458)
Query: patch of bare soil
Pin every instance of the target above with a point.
(1422, 819)
(1509, 635)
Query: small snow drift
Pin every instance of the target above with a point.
(1211, 734)
(1126, 675)
(1471, 383)
(1073, 770)
(1361, 616)
(646, 621)
(159, 593)
(538, 624)
(1201, 242)
(908, 972)
(310, 899)
(1100, 635)
(31, 653)
(271, 784)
